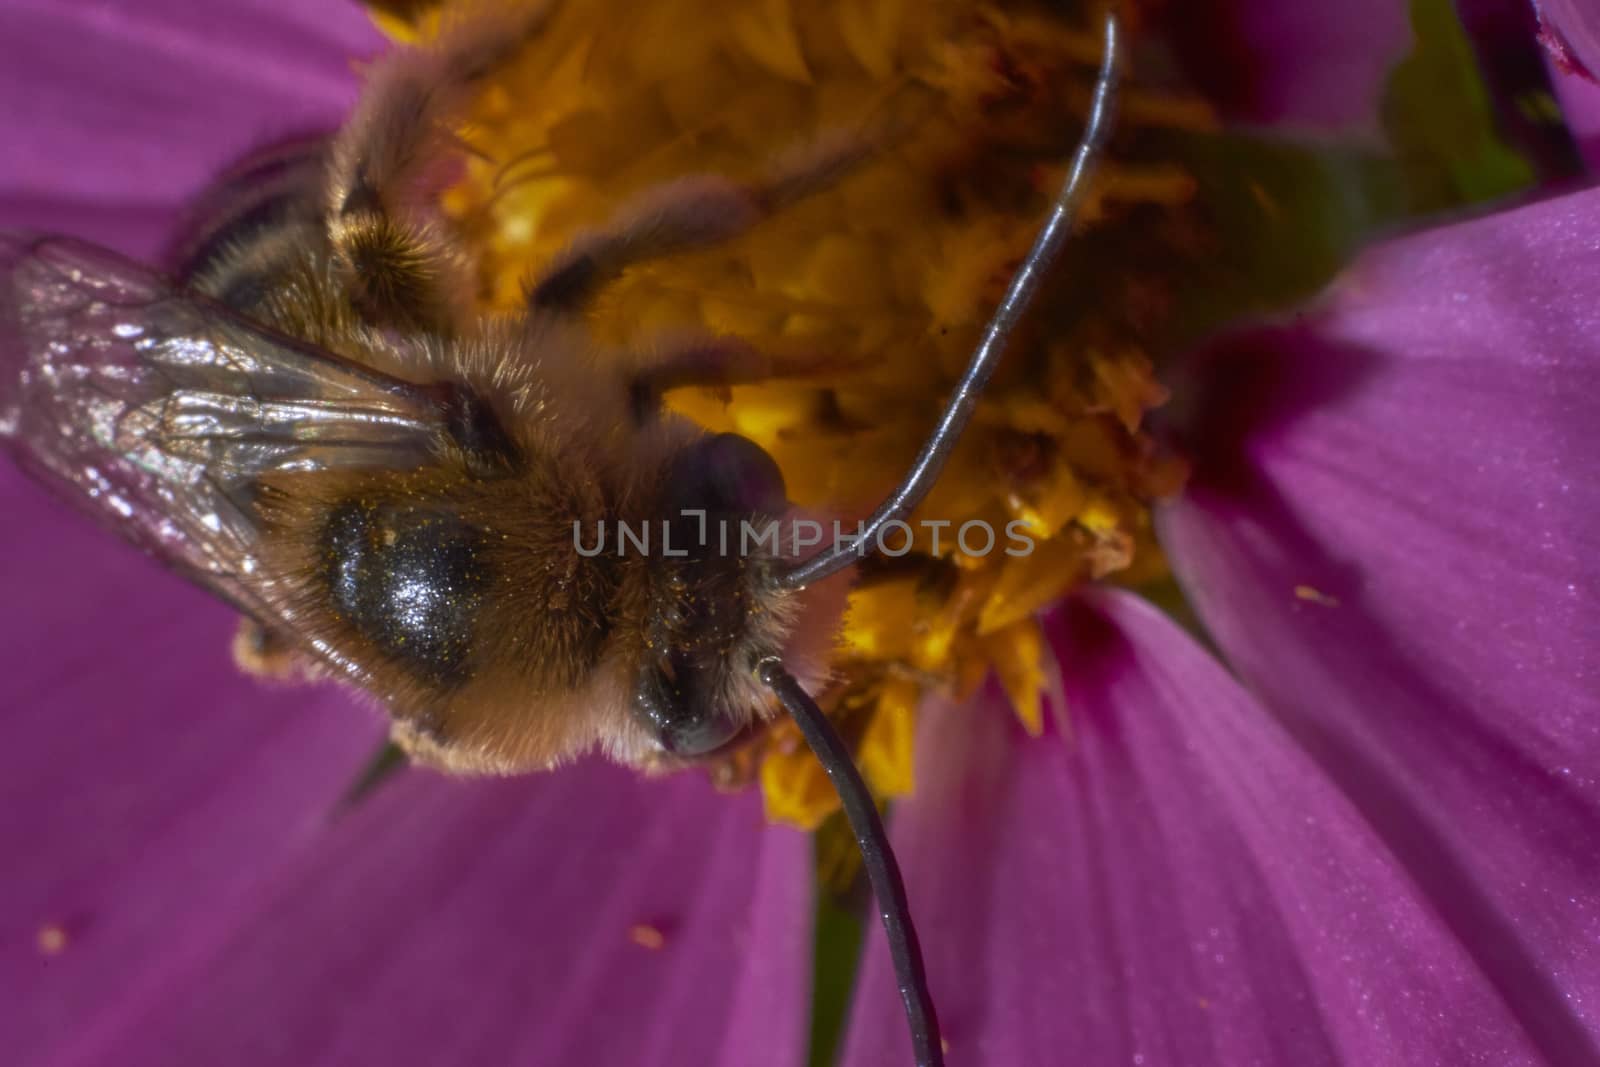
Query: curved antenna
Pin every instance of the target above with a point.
(859, 807)
(876, 856)
(1024, 286)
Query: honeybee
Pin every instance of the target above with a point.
(310, 421)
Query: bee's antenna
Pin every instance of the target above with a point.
(1024, 285)
(859, 807)
(876, 855)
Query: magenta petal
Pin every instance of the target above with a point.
(144, 784)
(1402, 556)
(141, 103)
(1174, 882)
(1306, 64)
(587, 916)
(1580, 106)
(1571, 30)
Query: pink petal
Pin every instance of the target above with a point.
(1172, 882)
(141, 104)
(1570, 29)
(146, 784)
(510, 922)
(1580, 106)
(1394, 534)
(1570, 32)
(1304, 64)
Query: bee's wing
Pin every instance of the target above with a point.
(157, 410)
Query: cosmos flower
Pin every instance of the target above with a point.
(1359, 826)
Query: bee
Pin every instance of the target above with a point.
(310, 420)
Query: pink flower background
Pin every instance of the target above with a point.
(1372, 837)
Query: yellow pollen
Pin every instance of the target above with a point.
(51, 939)
(867, 296)
(647, 936)
(1315, 596)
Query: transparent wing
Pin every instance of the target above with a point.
(157, 410)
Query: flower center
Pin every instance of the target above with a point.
(867, 296)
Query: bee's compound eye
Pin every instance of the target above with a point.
(726, 474)
(683, 718)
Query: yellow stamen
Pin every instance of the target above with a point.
(869, 295)
(1020, 659)
(794, 785)
(884, 752)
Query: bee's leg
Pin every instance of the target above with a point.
(270, 191)
(684, 361)
(689, 213)
(718, 362)
(268, 655)
(395, 267)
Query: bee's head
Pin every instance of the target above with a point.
(714, 610)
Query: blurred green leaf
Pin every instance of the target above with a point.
(1282, 217)
(1439, 116)
(836, 951)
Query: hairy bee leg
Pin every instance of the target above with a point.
(267, 654)
(691, 212)
(709, 362)
(716, 362)
(270, 191)
(396, 268)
